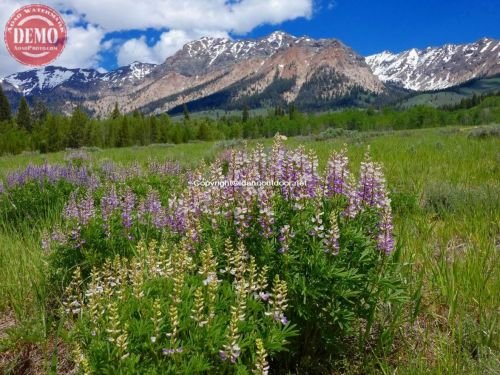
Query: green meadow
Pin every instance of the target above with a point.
(444, 185)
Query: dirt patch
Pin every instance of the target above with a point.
(33, 358)
(7, 322)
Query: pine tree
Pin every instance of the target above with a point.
(186, 112)
(291, 111)
(123, 139)
(155, 131)
(5, 112)
(24, 116)
(116, 112)
(77, 128)
(244, 114)
(204, 132)
(54, 137)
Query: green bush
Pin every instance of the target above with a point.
(165, 311)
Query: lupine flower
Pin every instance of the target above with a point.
(261, 364)
(266, 213)
(337, 174)
(71, 208)
(371, 189)
(86, 209)
(278, 301)
(385, 239)
(353, 205)
(318, 228)
(47, 173)
(332, 238)
(152, 206)
(109, 203)
(284, 238)
(128, 204)
(263, 296)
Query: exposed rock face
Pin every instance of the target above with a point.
(438, 68)
(280, 68)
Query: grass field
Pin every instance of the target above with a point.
(445, 189)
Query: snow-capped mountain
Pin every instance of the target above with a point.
(438, 68)
(37, 82)
(218, 73)
(208, 53)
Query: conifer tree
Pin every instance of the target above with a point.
(244, 114)
(116, 112)
(24, 116)
(186, 112)
(5, 112)
(77, 126)
(123, 139)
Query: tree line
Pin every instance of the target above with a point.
(36, 128)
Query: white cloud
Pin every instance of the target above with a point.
(186, 20)
(234, 16)
(82, 47)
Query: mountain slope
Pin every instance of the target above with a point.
(217, 73)
(438, 68)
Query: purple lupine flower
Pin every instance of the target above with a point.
(353, 205)
(71, 208)
(331, 241)
(263, 296)
(281, 318)
(51, 174)
(176, 216)
(284, 238)
(223, 355)
(266, 213)
(128, 204)
(385, 238)
(58, 236)
(152, 207)
(86, 209)
(337, 174)
(318, 229)
(371, 189)
(278, 155)
(2, 187)
(109, 203)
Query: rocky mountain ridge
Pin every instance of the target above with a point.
(217, 73)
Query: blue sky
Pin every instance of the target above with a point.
(105, 34)
(395, 25)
